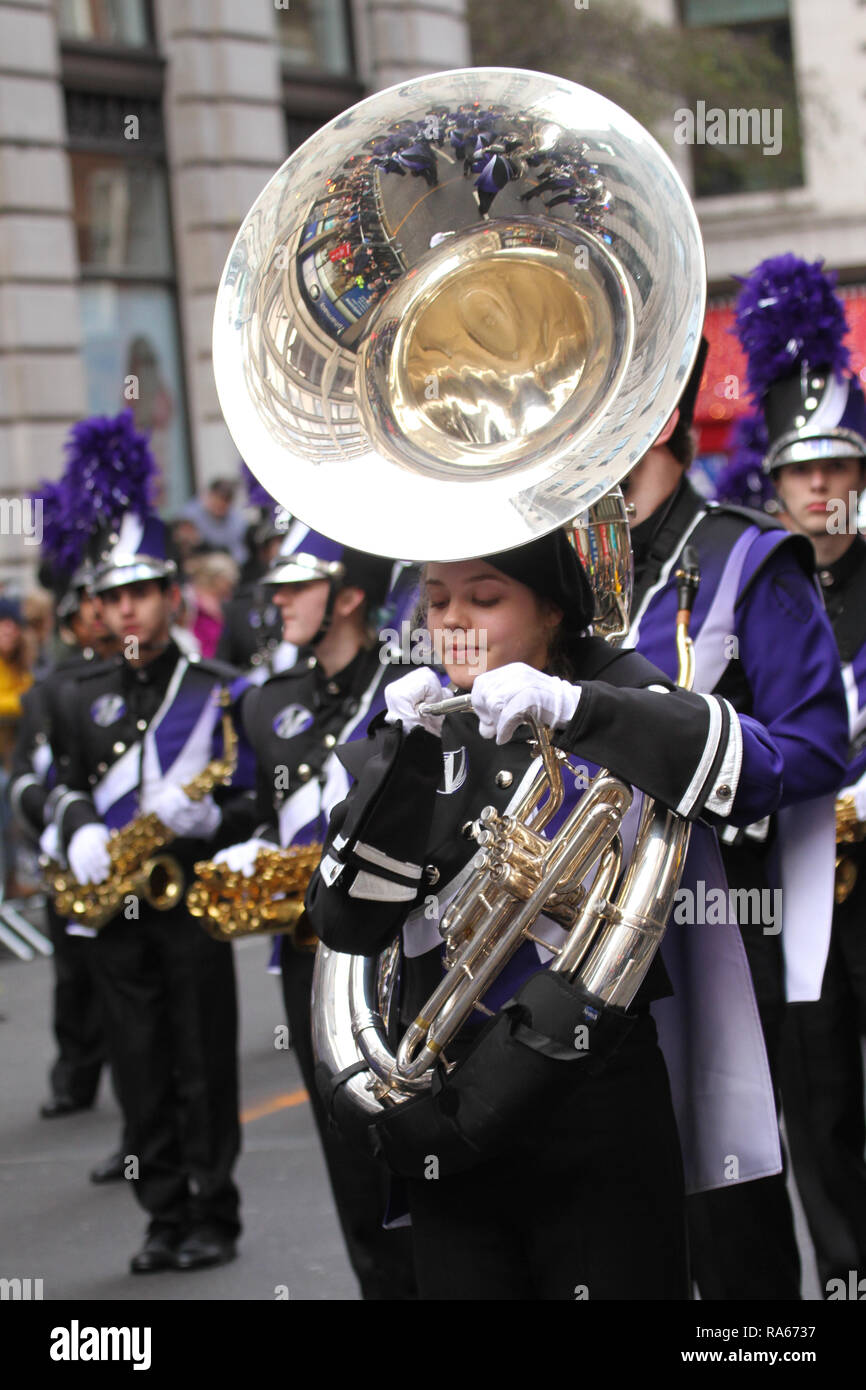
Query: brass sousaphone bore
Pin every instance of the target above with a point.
(455, 319)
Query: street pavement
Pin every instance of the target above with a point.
(77, 1238)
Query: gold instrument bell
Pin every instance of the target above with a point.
(268, 901)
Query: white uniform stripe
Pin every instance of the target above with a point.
(729, 772)
(384, 861)
(376, 889)
(633, 635)
(707, 758)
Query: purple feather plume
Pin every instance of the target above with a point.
(110, 470)
(787, 312)
(742, 481)
(257, 495)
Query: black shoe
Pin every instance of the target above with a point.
(204, 1247)
(110, 1169)
(158, 1252)
(62, 1105)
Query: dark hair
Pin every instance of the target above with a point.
(562, 655)
(682, 443)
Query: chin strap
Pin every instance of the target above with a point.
(334, 587)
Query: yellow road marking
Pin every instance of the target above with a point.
(270, 1107)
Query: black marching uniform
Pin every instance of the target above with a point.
(293, 722)
(583, 1195)
(167, 988)
(77, 1023)
(822, 1060)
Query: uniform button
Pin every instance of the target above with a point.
(431, 874)
(256, 659)
(826, 578)
(118, 748)
(92, 780)
(41, 738)
(332, 688)
(723, 791)
(311, 661)
(504, 778)
(141, 725)
(329, 741)
(305, 772)
(102, 767)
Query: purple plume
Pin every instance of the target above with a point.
(110, 470)
(787, 312)
(742, 481)
(257, 495)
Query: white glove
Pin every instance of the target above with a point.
(49, 843)
(88, 854)
(860, 799)
(241, 858)
(197, 819)
(504, 698)
(422, 686)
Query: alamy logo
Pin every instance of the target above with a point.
(20, 1290)
(77, 1343)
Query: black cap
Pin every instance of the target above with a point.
(549, 566)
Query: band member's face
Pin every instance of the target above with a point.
(89, 623)
(10, 637)
(303, 609)
(480, 619)
(142, 611)
(813, 492)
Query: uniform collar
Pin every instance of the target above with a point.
(835, 577)
(156, 672)
(660, 531)
(343, 682)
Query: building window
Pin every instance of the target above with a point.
(132, 354)
(314, 34)
(117, 22)
(739, 165)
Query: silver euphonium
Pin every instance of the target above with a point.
(453, 321)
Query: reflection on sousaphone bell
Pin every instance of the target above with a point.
(470, 304)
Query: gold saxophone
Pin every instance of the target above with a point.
(270, 900)
(136, 868)
(849, 831)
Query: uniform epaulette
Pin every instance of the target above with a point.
(212, 667)
(762, 520)
(94, 669)
(798, 545)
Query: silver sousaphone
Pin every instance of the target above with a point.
(454, 320)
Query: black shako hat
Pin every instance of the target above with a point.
(550, 567)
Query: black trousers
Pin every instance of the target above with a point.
(168, 993)
(822, 1089)
(382, 1260)
(742, 1237)
(588, 1205)
(77, 1015)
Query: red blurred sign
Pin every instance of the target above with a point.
(724, 394)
